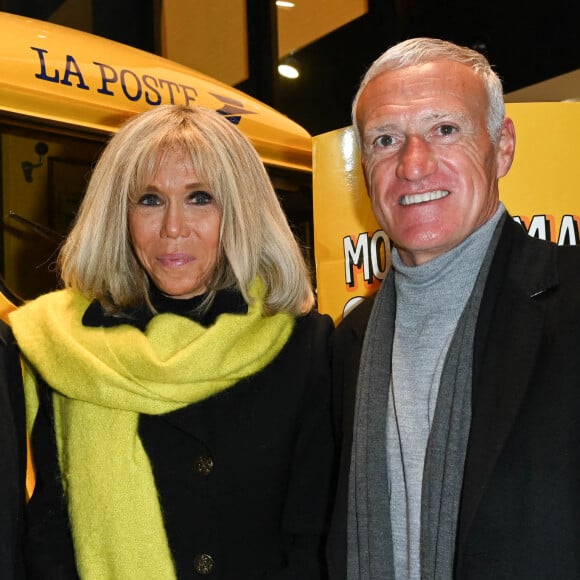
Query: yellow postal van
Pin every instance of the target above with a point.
(62, 93)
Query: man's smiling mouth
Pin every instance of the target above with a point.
(423, 197)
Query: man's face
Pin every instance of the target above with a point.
(430, 165)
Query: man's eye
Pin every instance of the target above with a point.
(384, 141)
(149, 199)
(200, 197)
(447, 130)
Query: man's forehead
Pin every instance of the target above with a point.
(434, 77)
(429, 92)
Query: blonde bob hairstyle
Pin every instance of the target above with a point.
(97, 258)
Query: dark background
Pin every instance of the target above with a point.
(526, 41)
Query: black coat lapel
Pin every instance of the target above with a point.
(508, 335)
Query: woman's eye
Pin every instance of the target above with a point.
(200, 197)
(149, 199)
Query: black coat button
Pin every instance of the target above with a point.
(203, 564)
(203, 465)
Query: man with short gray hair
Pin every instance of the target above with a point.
(459, 440)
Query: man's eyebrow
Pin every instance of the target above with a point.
(380, 128)
(428, 116)
(438, 116)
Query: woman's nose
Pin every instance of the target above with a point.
(174, 223)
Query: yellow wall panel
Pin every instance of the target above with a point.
(207, 36)
(309, 20)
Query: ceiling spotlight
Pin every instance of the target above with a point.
(288, 68)
(284, 4)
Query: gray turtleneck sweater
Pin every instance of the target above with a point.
(430, 300)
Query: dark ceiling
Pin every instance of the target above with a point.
(527, 42)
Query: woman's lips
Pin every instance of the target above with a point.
(175, 260)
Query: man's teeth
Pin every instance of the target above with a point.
(423, 197)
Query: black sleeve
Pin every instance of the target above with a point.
(12, 459)
(345, 361)
(311, 487)
(49, 548)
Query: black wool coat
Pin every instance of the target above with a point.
(244, 477)
(519, 515)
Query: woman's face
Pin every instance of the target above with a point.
(175, 228)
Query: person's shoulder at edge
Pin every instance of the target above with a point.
(13, 458)
(5, 332)
(357, 319)
(314, 321)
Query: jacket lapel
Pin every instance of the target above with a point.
(508, 335)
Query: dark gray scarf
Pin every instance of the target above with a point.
(369, 543)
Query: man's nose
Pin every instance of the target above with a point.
(416, 159)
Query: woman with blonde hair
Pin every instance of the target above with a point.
(181, 377)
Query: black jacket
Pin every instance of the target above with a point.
(519, 515)
(243, 477)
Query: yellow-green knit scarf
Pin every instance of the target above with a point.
(105, 377)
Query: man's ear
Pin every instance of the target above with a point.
(506, 147)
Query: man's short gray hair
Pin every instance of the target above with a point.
(417, 51)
